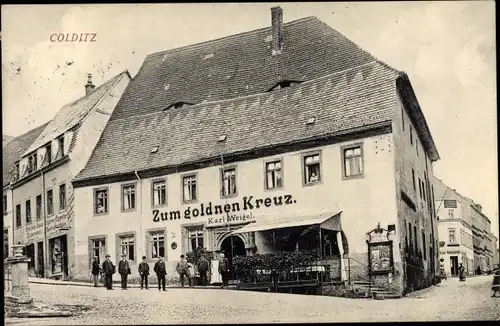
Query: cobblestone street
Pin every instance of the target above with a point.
(451, 300)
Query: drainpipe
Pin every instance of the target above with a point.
(13, 225)
(139, 241)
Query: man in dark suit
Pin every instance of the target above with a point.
(124, 270)
(108, 269)
(144, 272)
(161, 272)
(96, 270)
(224, 270)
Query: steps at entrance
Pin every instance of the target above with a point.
(365, 289)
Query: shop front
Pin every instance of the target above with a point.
(58, 251)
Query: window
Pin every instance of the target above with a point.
(195, 237)
(5, 204)
(411, 234)
(228, 181)
(451, 235)
(159, 193)
(98, 249)
(403, 118)
(449, 203)
(423, 246)
(413, 178)
(420, 187)
(157, 244)
(50, 202)
(100, 201)
(16, 171)
(352, 161)
(38, 207)
(128, 199)
(18, 216)
(450, 213)
(423, 190)
(415, 236)
(29, 168)
(274, 178)
(60, 142)
(62, 196)
(411, 135)
(416, 145)
(311, 169)
(48, 154)
(28, 211)
(433, 201)
(127, 246)
(189, 188)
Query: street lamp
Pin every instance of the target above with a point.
(63, 254)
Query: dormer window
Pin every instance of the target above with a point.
(284, 84)
(177, 105)
(60, 151)
(48, 153)
(32, 164)
(16, 171)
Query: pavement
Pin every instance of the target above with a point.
(448, 301)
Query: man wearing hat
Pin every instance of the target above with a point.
(108, 269)
(96, 270)
(124, 270)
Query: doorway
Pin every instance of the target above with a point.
(231, 247)
(59, 255)
(30, 253)
(41, 269)
(454, 265)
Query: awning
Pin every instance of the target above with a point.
(327, 220)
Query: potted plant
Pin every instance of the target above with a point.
(193, 258)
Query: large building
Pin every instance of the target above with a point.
(12, 153)
(464, 232)
(40, 180)
(223, 143)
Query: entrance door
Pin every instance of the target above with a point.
(39, 247)
(454, 265)
(232, 246)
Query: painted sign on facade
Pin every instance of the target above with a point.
(34, 232)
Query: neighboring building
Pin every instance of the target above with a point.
(483, 238)
(6, 139)
(42, 193)
(455, 229)
(496, 257)
(223, 143)
(12, 153)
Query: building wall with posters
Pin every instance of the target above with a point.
(42, 193)
(136, 231)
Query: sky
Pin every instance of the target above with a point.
(446, 48)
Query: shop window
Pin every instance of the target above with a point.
(38, 208)
(100, 201)
(159, 193)
(50, 202)
(274, 175)
(62, 197)
(157, 244)
(312, 171)
(127, 246)
(98, 249)
(451, 236)
(195, 237)
(189, 192)
(128, 197)
(18, 216)
(228, 182)
(28, 211)
(352, 158)
(4, 204)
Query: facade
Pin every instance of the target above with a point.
(483, 239)
(454, 213)
(42, 194)
(12, 152)
(226, 163)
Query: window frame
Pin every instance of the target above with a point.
(62, 209)
(5, 204)
(411, 134)
(60, 140)
(454, 235)
(303, 157)
(269, 161)
(122, 188)
(39, 216)
(413, 179)
(148, 239)
(94, 200)
(26, 211)
(343, 149)
(199, 227)
(118, 245)
(183, 199)
(153, 192)
(221, 181)
(48, 152)
(20, 215)
(47, 202)
(91, 239)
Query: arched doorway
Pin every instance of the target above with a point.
(232, 246)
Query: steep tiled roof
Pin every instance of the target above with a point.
(71, 114)
(14, 149)
(354, 98)
(238, 65)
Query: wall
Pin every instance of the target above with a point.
(410, 155)
(362, 204)
(7, 217)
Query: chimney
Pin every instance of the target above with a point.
(277, 30)
(89, 87)
(479, 208)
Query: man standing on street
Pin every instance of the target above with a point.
(161, 272)
(124, 270)
(203, 267)
(144, 272)
(108, 269)
(183, 270)
(95, 272)
(224, 270)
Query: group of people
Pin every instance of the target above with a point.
(183, 269)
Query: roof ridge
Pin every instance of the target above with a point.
(258, 94)
(195, 45)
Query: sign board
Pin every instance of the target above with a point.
(380, 256)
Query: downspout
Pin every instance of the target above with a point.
(139, 241)
(13, 225)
